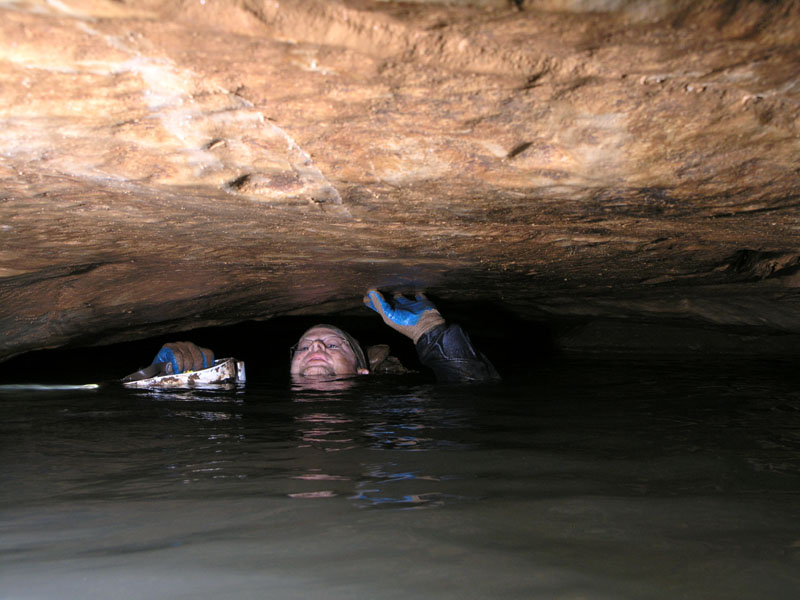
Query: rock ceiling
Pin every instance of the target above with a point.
(168, 164)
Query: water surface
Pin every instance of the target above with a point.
(582, 479)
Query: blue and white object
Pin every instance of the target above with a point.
(224, 371)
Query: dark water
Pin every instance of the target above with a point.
(581, 479)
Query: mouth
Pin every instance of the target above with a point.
(317, 357)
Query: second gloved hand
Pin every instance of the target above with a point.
(412, 318)
(185, 356)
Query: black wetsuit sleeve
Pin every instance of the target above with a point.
(448, 350)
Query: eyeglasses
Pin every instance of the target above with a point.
(330, 343)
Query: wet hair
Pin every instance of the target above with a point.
(361, 358)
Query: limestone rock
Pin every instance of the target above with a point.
(168, 164)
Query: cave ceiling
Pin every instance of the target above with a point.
(166, 165)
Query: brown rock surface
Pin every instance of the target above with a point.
(168, 164)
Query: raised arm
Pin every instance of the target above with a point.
(446, 349)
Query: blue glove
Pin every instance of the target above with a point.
(412, 318)
(184, 356)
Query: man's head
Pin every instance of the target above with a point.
(327, 351)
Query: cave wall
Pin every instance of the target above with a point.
(169, 165)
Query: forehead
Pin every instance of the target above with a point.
(321, 332)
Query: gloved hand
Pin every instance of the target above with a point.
(412, 318)
(184, 356)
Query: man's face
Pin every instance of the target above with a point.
(322, 352)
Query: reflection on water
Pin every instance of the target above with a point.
(322, 384)
(596, 480)
(377, 488)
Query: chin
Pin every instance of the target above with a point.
(318, 371)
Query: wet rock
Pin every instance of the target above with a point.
(381, 361)
(167, 165)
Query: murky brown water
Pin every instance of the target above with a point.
(591, 479)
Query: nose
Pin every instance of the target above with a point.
(317, 345)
